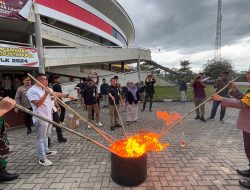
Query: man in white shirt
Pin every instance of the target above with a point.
(42, 104)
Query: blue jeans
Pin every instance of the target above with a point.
(214, 110)
(43, 130)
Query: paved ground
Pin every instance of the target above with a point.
(214, 150)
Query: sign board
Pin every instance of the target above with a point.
(15, 9)
(11, 55)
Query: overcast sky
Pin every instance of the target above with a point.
(186, 29)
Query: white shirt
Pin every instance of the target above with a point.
(45, 110)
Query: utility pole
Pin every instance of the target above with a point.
(139, 67)
(39, 41)
(217, 53)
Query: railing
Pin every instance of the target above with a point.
(17, 43)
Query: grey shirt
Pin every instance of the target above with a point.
(21, 96)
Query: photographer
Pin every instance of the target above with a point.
(149, 82)
(199, 96)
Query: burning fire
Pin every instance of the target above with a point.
(169, 118)
(138, 144)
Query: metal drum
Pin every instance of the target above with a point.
(128, 171)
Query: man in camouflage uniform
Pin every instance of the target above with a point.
(5, 105)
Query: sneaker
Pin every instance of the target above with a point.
(203, 119)
(50, 153)
(150, 110)
(197, 117)
(45, 162)
(89, 127)
(99, 124)
(112, 128)
(221, 120)
(128, 123)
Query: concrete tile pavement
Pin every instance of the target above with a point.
(213, 151)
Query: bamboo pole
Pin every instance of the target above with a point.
(120, 119)
(88, 122)
(62, 127)
(164, 132)
(73, 111)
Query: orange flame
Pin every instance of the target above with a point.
(138, 144)
(169, 118)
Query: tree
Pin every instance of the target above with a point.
(214, 68)
(184, 72)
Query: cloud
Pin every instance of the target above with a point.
(186, 29)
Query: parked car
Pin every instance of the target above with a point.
(208, 80)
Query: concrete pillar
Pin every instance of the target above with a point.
(30, 40)
(139, 67)
(122, 67)
(110, 66)
(39, 42)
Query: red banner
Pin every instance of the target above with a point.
(11, 8)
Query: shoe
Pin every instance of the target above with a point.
(197, 117)
(128, 123)
(29, 131)
(89, 127)
(62, 139)
(143, 110)
(6, 176)
(212, 118)
(50, 153)
(245, 173)
(221, 120)
(45, 162)
(203, 119)
(150, 110)
(112, 128)
(99, 124)
(118, 125)
(244, 183)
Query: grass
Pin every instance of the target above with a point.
(172, 92)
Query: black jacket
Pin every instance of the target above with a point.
(130, 98)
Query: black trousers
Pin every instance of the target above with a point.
(246, 138)
(62, 115)
(150, 96)
(28, 119)
(56, 118)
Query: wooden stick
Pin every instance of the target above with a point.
(73, 111)
(164, 132)
(62, 127)
(91, 125)
(120, 119)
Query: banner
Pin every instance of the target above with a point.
(11, 55)
(15, 9)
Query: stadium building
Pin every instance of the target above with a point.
(71, 37)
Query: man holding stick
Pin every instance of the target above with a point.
(242, 102)
(114, 100)
(5, 105)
